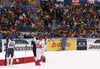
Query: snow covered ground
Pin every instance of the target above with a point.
(64, 60)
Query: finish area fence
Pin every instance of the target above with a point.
(91, 44)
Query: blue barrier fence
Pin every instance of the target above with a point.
(52, 38)
(77, 38)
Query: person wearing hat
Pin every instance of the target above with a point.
(5, 34)
(10, 51)
(0, 31)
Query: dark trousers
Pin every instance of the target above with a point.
(10, 51)
(34, 48)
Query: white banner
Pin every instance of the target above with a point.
(61, 0)
(91, 1)
(75, 0)
(93, 44)
(20, 45)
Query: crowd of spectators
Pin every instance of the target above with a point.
(82, 21)
(14, 17)
(79, 21)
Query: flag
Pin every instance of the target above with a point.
(13, 14)
(64, 31)
(51, 10)
(59, 30)
(47, 16)
(86, 29)
(69, 20)
(69, 32)
(51, 0)
(94, 12)
(90, 30)
(19, 22)
(13, 30)
(98, 29)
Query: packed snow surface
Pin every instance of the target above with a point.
(62, 60)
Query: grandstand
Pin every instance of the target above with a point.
(56, 16)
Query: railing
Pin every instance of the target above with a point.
(27, 28)
(53, 28)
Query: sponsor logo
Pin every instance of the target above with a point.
(81, 44)
(68, 44)
(94, 46)
(23, 48)
(20, 45)
(97, 41)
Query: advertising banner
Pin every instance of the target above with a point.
(51, 46)
(75, 0)
(0, 46)
(97, 1)
(81, 44)
(20, 45)
(71, 44)
(61, 0)
(93, 44)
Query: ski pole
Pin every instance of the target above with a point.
(25, 53)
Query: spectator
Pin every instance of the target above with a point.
(1, 35)
(5, 35)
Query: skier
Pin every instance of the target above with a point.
(38, 43)
(44, 40)
(11, 45)
(64, 39)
